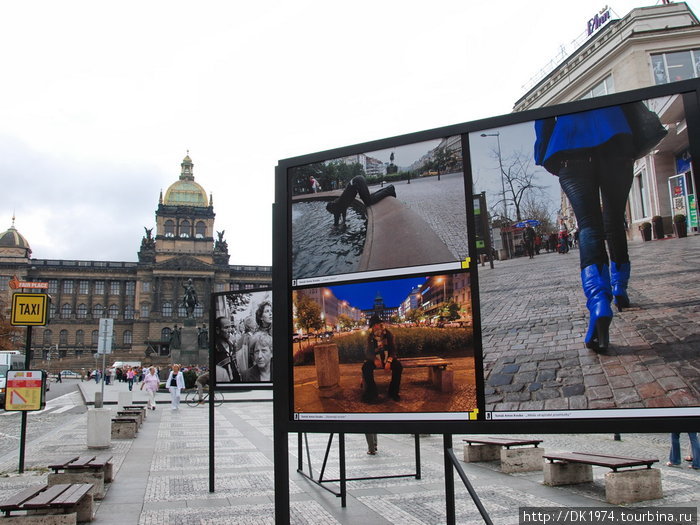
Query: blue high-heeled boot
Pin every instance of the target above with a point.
(619, 277)
(596, 285)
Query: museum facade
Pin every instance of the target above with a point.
(145, 298)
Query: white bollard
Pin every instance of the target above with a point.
(125, 398)
(99, 428)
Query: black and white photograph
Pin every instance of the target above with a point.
(242, 342)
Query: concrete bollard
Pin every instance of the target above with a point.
(327, 369)
(98, 400)
(99, 428)
(125, 398)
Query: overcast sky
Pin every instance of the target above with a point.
(101, 101)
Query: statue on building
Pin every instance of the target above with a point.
(221, 255)
(176, 338)
(221, 245)
(203, 337)
(189, 299)
(148, 241)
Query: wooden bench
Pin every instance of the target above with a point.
(65, 503)
(516, 455)
(97, 470)
(124, 427)
(439, 373)
(136, 414)
(140, 408)
(625, 484)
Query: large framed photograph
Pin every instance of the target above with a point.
(379, 210)
(595, 328)
(241, 347)
(386, 349)
(577, 245)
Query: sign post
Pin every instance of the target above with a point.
(28, 309)
(104, 345)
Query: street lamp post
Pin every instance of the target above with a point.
(497, 134)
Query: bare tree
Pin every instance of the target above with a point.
(519, 179)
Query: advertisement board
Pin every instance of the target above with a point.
(386, 321)
(25, 390)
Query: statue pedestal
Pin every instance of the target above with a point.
(189, 322)
(188, 353)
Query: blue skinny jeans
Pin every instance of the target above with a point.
(588, 180)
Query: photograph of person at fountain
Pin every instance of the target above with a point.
(357, 186)
(378, 210)
(402, 345)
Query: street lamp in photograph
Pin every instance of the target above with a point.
(503, 182)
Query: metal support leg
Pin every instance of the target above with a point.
(452, 461)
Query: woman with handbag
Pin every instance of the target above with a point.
(592, 153)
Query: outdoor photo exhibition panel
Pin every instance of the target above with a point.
(241, 345)
(436, 282)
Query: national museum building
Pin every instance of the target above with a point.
(144, 298)
(648, 46)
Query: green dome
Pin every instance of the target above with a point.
(185, 193)
(13, 239)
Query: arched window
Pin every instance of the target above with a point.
(185, 229)
(52, 311)
(167, 309)
(63, 337)
(97, 311)
(181, 311)
(66, 310)
(169, 228)
(127, 337)
(79, 338)
(165, 334)
(145, 311)
(129, 312)
(113, 311)
(200, 230)
(95, 337)
(82, 311)
(47, 337)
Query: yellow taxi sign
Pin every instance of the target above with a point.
(30, 309)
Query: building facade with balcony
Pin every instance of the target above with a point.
(648, 46)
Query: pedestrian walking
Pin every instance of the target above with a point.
(175, 383)
(130, 378)
(151, 382)
(371, 444)
(592, 153)
(674, 457)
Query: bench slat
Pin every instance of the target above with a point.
(62, 464)
(612, 462)
(420, 362)
(72, 496)
(504, 442)
(80, 462)
(47, 496)
(15, 501)
(101, 460)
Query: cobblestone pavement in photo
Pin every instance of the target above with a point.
(161, 476)
(441, 204)
(534, 321)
